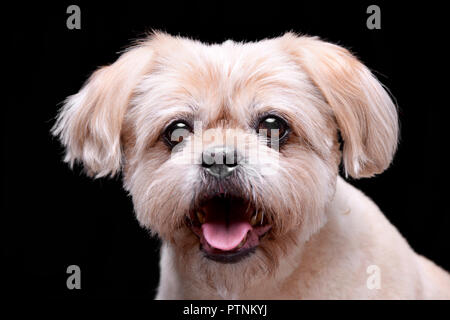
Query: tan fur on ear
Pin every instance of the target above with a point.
(365, 114)
(90, 122)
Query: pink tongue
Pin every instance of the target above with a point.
(225, 237)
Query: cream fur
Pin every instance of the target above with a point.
(333, 263)
(325, 233)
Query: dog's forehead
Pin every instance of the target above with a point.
(228, 81)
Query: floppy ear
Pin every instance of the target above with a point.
(89, 124)
(364, 112)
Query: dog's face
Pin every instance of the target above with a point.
(231, 151)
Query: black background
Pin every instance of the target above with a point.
(53, 217)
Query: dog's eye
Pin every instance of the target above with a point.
(273, 127)
(176, 132)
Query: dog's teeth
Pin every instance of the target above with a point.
(242, 243)
(256, 218)
(200, 217)
(253, 219)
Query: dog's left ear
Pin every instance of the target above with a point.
(89, 124)
(365, 114)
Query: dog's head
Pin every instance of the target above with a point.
(231, 151)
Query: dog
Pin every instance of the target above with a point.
(232, 155)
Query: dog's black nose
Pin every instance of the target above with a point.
(220, 161)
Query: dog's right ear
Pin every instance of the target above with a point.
(89, 124)
(364, 112)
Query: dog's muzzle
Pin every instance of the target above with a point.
(228, 224)
(220, 161)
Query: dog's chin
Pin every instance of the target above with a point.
(229, 228)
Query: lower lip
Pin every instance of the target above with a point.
(229, 256)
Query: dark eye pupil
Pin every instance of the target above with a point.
(176, 132)
(272, 126)
(180, 125)
(272, 123)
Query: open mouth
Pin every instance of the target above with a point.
(229, 228)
